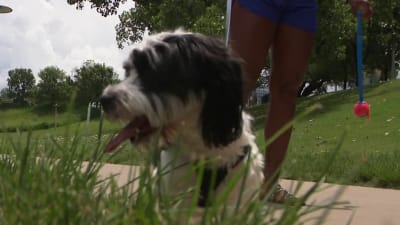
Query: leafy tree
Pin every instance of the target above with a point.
(104, 7)
(334, 58)
(90, 79)
(383, 34)
(52, 88)
(20, 83)
(205, 16)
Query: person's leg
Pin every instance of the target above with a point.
(290, 56)
(251, 35)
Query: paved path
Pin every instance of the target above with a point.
(365, 206)
(370, 206)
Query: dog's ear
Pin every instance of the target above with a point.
(141, 60)
(222, 110)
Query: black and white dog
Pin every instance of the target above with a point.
(184, 90)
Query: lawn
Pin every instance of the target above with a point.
(25, 118)
(53, 189)
(370, 150)
(368, 155)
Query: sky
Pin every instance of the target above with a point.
(40, 33)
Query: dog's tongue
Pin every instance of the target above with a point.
(135, 129)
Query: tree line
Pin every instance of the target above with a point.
(334, 54)
(333, 59)
(55, 88)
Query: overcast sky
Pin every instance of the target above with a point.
(39, 33)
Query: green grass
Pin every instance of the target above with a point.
(87, 133)
(330, 144)
(25, 118)
(54, 189)
(370, 152)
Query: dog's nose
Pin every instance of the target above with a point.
(107, 102)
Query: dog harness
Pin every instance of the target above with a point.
(213, 177)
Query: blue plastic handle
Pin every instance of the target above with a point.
(360, 55)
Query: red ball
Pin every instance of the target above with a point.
(362, 109)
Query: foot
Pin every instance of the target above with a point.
(282, 196)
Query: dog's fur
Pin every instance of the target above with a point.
(189, 87)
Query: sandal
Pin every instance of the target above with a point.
(282, 196)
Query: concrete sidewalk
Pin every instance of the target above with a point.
(365, 206)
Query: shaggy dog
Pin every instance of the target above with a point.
(184, 91)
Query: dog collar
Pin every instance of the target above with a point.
(213, 177)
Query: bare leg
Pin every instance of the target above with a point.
(291, 52)
(251, 36)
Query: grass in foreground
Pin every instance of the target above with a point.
(369, 155)
(55, 189)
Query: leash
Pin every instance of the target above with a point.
(362, 108)
(360, 56)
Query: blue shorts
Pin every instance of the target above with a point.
(297, 13)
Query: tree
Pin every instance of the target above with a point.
(383, 34)
(380, 40)
(90, 79)
(20, 85)
(104, 7)
(205, 16)
(52, 88)
(334, 58)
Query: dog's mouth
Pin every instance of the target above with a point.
(138, 129)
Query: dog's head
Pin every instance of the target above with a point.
(177, 75)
